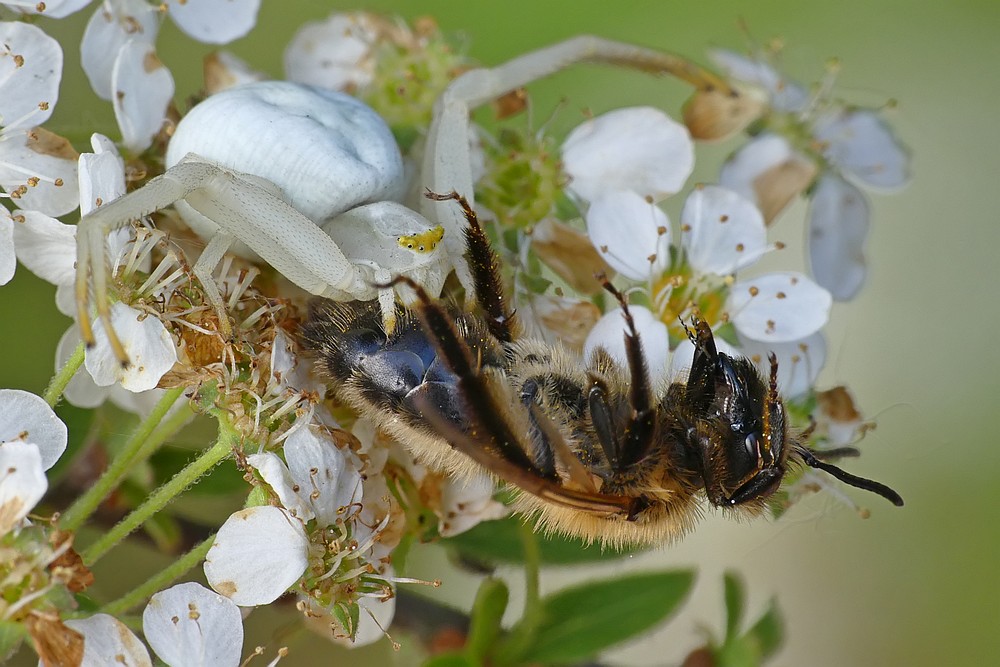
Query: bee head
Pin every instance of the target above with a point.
(740, 433)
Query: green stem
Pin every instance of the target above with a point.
(59, 381)
(166, 493)
(159, 581)
(523, 634)
(139, 447)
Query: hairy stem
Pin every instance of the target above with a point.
(59, 381)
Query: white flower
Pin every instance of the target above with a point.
(258, 554)
(843, 143)
(609, 333)
(189, 625)
(108, 641)
(22, 482)
(53, 9)
(799, 361)
(214, 21)
(112, 25)
(631, 234)
(638, 148)
(778, 307)
(148, 344)
(336, 53)
(37, 168)
(721, 231)
(27, 418)
(143, 88)
(466, 502)
(8, 260)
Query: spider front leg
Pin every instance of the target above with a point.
(244, 208)
(446, 161)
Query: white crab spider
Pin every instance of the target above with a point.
(291, 184)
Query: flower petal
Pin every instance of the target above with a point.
(258, 554)
(768, 172)
(799, 362)
(860, 142)
(150, 349)
(324, 474)
(30, 71)
(466, 502)
(24, 416)
(108, 641)
(609, 333)
(721, 231)
(81, 390)
(46, 247)
(188, 624)
(638, 148)
(38, 169)
(102, 174)
(335, 54)
(838, 231)
(22, 482)
(8, 260)
(779, 307)
(53, 9)
(214, 21)
(273, 471)
(110, 27)
(143, 88)
(786, 95)
(630, 234)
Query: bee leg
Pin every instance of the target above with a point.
(639, 433)
(485, 269)
(485, 414)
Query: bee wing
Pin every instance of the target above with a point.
(485, 454)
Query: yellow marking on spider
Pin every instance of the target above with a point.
(423, 242)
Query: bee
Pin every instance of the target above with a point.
(595, 449)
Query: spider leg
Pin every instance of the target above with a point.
(641, 428)
(446, 160)
(485, 268)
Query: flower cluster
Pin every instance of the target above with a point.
(331, 503)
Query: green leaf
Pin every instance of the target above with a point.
(735, 601)
(487, 612)
(768, 631)
(498, 542)
(451, 660)
(578, 622)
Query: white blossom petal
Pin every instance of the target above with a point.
(24, 416)
(722, 231)
(786, 95)
(609, 333)
(189, 625)
(274, 471)
(38, 168)
(838, 230)
(81, 390)
(630, 234)
(8, 260)
(779, 307)
(466, 502)
(214, 21)
(46, 247)
(223, 70)
(799, 362)
(143, 88)
(150, 349)
(108, 641)
(22, 482)
(375, 617)
(757, 156)
(258, 554)
(102, 174)
(860, 142)
(53, 9)
(111, 26)
(30, 71)
(335, 53)
(638, 148)
(325, 476)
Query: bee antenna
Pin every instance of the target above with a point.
(848, 478)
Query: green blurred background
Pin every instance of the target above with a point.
(912, 586)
